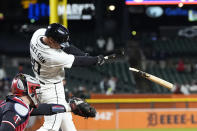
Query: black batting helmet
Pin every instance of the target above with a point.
(59, 33)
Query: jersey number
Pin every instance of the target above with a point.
(36, 66)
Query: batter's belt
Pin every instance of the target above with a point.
(43, 83)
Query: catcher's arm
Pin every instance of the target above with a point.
(76, 105)
(81, 108)
(47, 109)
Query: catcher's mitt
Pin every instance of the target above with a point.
(81, 108)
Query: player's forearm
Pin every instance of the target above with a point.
(71, 49)
(48, 109)
(85, 61)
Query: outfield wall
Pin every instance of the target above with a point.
(142, 111)
(140, 118)
(134, 118)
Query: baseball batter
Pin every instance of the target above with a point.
(50, 53)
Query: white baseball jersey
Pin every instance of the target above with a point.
(48, 64)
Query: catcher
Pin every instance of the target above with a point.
(16, 109)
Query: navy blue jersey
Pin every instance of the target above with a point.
(14, 114)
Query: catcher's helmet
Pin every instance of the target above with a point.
(23, 84)
(59, 33)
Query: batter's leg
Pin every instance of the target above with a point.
(51, 123)
(49, 94)
(67, 122)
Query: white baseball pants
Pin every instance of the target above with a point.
(55, 94)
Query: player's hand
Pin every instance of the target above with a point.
(81, 108)
(100, 60)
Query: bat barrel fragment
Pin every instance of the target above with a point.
(153, 78)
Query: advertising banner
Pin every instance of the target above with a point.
(134, 118)
(140, 118)
(105, 119)
(157, 118)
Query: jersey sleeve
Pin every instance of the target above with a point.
(71, 49)
(60, 58)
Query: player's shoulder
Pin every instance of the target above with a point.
(58, 53)
(18, 105)
(40, 31)
(21, 109)
(18, 108)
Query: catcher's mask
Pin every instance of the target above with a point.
(59, 33)
(23, 85)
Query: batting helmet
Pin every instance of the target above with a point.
(23, 85)
(59, 33)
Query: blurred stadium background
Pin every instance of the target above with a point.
(159, 37)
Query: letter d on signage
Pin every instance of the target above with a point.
(152, 119)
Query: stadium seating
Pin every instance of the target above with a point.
(174, 47)
(91, 77)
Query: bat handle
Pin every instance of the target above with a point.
(133, 69)
(144, 74)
